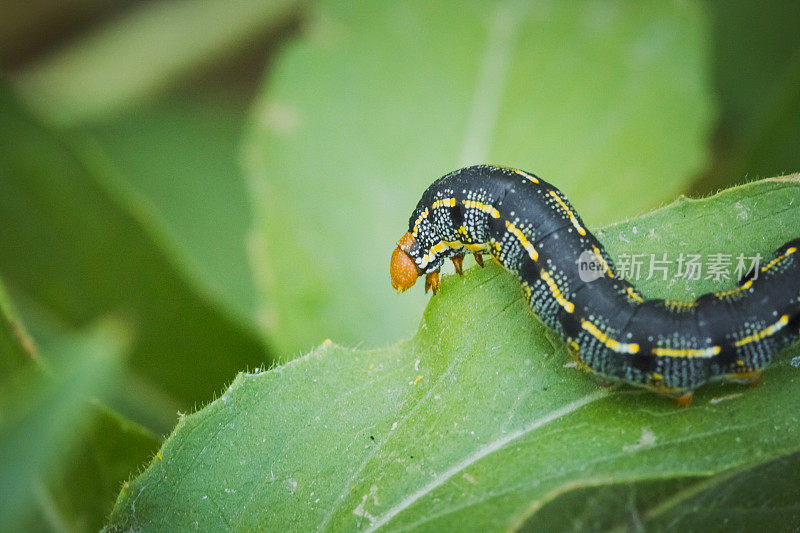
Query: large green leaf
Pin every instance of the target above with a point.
(79, 495)
(182, 156)
(78, 244)
(17, 351)
(479, 420)
(43, 420)
(380, 98)
(756, 69)
(763, 496)
(44, 403)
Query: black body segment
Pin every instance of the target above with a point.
(530, 227)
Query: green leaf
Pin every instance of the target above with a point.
(79, 245)
(745, 499)
(479, 420)
(39, 425)
(756, 66)
(380, 98)
(79, 495)
(144, 51)
(74, 491)
(17, 351)
(182, 157)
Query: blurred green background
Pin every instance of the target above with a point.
(193, 188)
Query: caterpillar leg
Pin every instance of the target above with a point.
(432, 281)
(458, 262)
(754, 378)
(574, 354)
(682, 397)
(685, 399)
(478, 258)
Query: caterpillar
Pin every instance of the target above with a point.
(529, 227)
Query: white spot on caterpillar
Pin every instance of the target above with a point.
(416, 365)
(571, 364)
(647, 439)
(469, 478)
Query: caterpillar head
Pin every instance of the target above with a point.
(403, 271)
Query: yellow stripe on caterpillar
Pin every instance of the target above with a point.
(486, 208)
(568, 211)
(526, 175)
(435, 249)
(448, 202)
(619, 347)
(438, 247)
(680, 305)
(444, 202)
(766, 332)
(532, 253)
(787, 253)
(419, 221)
(599, 254)
(687, 352)
(732, 292)
(633, 295)
(568, 306)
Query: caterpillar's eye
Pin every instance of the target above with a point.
(403, 272)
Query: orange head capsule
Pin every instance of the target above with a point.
(403, 272)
